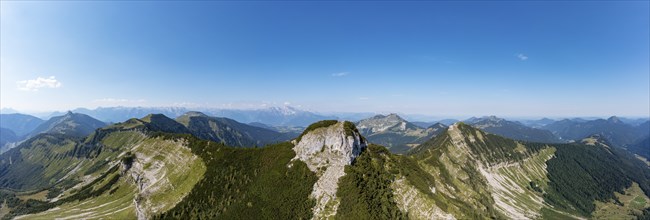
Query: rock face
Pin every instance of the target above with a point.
(162, 170)
(415, 203)
(326, 151)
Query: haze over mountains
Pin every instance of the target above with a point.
(392, 131)
(514, 130)
(279, 116)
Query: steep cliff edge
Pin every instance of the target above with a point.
(327, 150)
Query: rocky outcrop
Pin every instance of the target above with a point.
(326, 151)
(415, 203)
(163, 172)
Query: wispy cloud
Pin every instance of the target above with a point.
(522, 57)
(363, 98)
(340, 74)
(39, 82)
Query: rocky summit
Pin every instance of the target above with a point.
(326, 151)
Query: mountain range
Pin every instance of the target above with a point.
(513, 130)
(277, 116)
(154, 168)
(20, 124)
(228, 131)
(613, 129)
(72, 124)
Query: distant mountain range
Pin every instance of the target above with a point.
(513, 130)
(71, 124)
(20, 124)
(537, 123)
(613, 129)
(276, 116)
(290, 122)
(427, 124)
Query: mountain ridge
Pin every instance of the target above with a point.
(330, 170)
(514, 130)
(73, 124)
(228, 131)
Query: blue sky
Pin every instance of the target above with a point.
(503, 58)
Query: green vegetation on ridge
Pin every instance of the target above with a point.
(245, 183)
(314, 126)
(581, 174)
(365, 191)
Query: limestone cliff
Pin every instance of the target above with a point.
(326, 151)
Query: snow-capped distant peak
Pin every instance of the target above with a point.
(284, 110)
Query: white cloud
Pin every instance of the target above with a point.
(340, 74)
(363, 98)
(522, 57)
(39, 82)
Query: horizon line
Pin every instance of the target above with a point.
(330, 113)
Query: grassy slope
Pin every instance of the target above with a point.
(516, 174)
(38, 163)
(631, 203)
(177, 177)
(247, 183)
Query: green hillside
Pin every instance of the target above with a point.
(138, 169)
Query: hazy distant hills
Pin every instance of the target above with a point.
(613, 129)
(397, 134)
(20, 124)
(120, 114)
(427, 124)
(7, 136)
(276, 116)
(15, 127)
(537, 123)
(513, 130)
(72, 124)
(641, 147)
